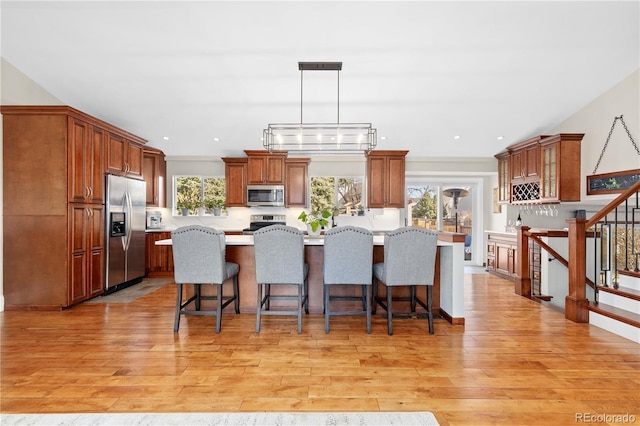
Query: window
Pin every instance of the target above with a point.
(193, 192)
(435, 206)
(423, 206)
(343, 193)
(455, 211)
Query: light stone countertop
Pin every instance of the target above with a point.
(509, 234)
(247, 240)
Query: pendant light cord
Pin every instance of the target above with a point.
(302, 93)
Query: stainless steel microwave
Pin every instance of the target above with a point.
(265, 195)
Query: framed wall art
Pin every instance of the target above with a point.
(612, 183)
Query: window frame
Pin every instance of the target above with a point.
(175, 210)
(336, 193)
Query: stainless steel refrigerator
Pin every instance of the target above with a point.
(125, 231)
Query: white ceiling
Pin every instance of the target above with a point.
(421, 72)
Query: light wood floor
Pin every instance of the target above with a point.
(514, 362)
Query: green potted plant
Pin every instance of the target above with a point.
(184, 206)
(215, 205)
(315, 221)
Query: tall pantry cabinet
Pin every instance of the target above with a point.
(54, 161)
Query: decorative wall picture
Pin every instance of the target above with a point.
(497, 207)
(611, 183)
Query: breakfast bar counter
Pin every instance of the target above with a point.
(448, 289)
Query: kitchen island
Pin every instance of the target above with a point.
(448, 289)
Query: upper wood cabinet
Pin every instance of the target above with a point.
(560, 167)
(504, 178)
(385, 179)
(235, 176)
(86, 162)
(296, 182)
(544, 169)
(265, 168)
(154, 173)
(525, 160)
(124, 157)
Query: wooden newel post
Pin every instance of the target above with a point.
(523, 272)
(576, 303)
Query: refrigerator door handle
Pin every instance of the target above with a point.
(123, 239)
(129, 214)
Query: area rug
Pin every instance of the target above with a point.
(136, 291)
(221, 419)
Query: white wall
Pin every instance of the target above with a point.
(595, 120)
(18, 89)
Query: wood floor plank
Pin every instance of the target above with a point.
(309, 404)
(515, 361)
(178, 404)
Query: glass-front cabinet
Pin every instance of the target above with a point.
(549, 171)
(504, 181)
(560, 162)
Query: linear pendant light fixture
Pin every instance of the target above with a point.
(320, 138)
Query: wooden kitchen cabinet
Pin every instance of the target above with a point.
(296, 182)
(158, 259)
(505, 259)
(235, 176)
(264, 168)
(543, 169)
(504, 178)
(491, 257)
(525, 160)
(385, 179)
(86, 162)
(86, 260)
(154, 173)
(260, 167)
(560, 167)
(54, 227)
(124, 157)
(502, 254)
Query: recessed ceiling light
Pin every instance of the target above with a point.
(216, 139)
(166, 138)
(456, 137)
(500, 138)
(384, 138)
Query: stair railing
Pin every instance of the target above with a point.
(618, 248)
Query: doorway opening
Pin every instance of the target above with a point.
(445, 206)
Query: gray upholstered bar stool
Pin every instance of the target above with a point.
(348, 258)
(409, 260)
(279, 253)
(199, 259)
